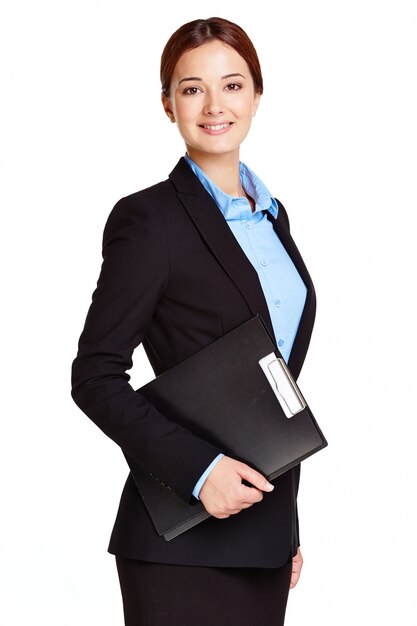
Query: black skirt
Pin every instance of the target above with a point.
(163, 594)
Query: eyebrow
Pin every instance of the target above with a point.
(222, 78)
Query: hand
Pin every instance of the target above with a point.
(223, 493)
(297, 564)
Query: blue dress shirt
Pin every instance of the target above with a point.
(284, 290)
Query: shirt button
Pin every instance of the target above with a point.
(263, 262)
(281, 342)
(248, 225)
(277, 303)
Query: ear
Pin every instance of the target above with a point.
(167, 107)
(256, 101)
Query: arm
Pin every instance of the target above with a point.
(133, 277)
(283, 215)
(297, 470)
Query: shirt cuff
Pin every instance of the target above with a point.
(203, 476)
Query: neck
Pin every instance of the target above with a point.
(222, 169)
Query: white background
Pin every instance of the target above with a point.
(335, 139)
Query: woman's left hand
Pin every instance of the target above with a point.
(297, 564)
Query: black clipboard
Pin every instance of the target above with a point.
(238, 394)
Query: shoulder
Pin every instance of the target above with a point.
(142, 201)
(139, 211)
(283, 215)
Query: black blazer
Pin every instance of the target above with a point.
(175, 278)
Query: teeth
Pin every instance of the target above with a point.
(217, 127)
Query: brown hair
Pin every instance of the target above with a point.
(198, 32)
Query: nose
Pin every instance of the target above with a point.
(212, 104)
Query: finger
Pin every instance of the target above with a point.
(294, 580)
(246, 505)
(255, 478)
(251, 494)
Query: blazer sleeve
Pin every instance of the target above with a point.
(283, 215)
(134, 275)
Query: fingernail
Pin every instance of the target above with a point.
(269, 486)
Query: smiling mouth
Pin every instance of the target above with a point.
(215, 126)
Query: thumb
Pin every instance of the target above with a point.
(255, 478)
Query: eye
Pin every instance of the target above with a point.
(187, 91)
(238, 85)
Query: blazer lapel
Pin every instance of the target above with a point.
(212, 226)
(305, 328)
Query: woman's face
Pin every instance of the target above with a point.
(201, 94)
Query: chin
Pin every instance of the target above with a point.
(215, 148)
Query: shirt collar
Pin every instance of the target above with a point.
(232, 206)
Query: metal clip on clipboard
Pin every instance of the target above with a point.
(283, 384)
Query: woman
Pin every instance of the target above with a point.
(184, 262)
